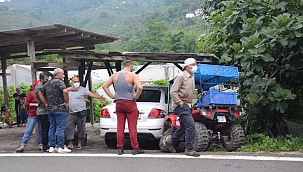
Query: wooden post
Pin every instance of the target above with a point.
(31, 53)
(91, 105)
(4, 79)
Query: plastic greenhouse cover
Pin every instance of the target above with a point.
(211, 75)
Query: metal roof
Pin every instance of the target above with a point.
(54, 36)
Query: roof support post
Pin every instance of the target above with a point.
(108, 67)
(64, 61)
(32, 55)
(31, 52)
(178, 66)
(88, 74)
(118, 66)
(4, 79)
(81, 71)
(143, 67)
(91, 105)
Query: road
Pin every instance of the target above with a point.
(148, 163)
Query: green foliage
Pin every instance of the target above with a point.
(11, 90)
(163, 82)
(158, 38)
(98, 105)
(264, 39)
(262, 142)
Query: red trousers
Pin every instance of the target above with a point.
(127, 109)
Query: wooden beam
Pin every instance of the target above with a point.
(32, 55)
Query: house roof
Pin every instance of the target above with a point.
(54, 36)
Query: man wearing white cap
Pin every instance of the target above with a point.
(182, 93)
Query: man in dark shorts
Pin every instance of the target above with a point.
(77, 112)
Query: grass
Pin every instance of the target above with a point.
(262, 142)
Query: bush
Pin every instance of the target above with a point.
(262, 142)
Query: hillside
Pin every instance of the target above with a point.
(111, 17)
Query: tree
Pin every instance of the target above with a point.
(264, 39)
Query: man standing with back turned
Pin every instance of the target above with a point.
(55, 98)
(126, 107)
(182, 93)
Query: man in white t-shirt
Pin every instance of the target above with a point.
(77, 112)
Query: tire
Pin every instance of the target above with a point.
(167, 136)
(202, 138)
(232, 137)
(111, 142)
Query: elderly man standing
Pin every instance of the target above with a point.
(126, 107)
(77, 112)
(55, 97)
(182, 92)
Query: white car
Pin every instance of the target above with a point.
(152, 106)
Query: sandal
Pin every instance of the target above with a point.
(20, 150)
(79, 148)
(71, 148)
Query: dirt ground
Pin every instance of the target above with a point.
(10, 139)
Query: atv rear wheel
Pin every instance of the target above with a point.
(232, 136)
(202, 138)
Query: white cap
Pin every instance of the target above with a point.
(189, 61)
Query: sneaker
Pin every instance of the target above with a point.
(52, 150)
(170, 146)
(191, 153)
(65, 150)
(120, 151)
(137, 151)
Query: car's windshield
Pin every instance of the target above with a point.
(150, 96)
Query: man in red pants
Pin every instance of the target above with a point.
(126, 107)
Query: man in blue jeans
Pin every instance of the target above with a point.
(55, 97)
(181, 93)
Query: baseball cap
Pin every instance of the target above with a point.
(188, 61)
(18, 89)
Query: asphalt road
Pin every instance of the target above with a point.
(147, 163)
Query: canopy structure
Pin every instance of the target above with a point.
(76, 48)
(211, 75)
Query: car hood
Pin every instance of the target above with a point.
(143, 107)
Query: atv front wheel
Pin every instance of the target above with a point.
(167, 136)
(202, 138)
(232, 136)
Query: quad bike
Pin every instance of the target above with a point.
(214, 112)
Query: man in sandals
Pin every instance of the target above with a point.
(77, 112)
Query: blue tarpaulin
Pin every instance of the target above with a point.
(211, 75)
